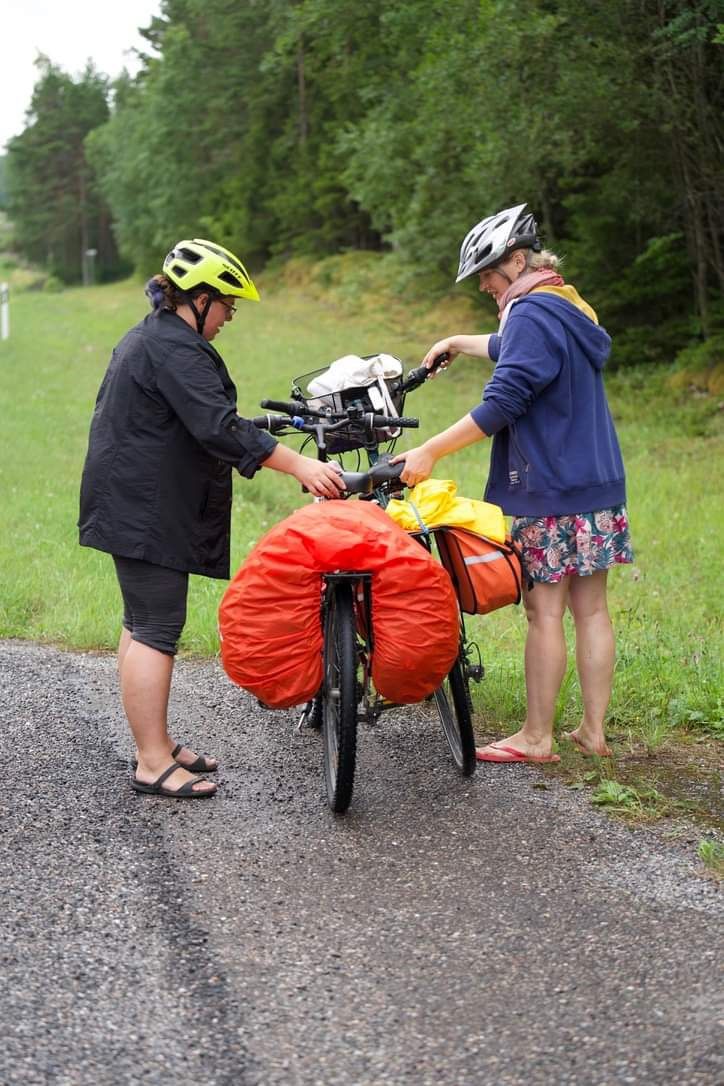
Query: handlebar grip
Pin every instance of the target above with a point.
(390, 422)
(271, 422)
(417, 377)
(289, 407)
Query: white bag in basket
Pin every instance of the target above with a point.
(351, 371)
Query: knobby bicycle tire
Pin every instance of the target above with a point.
(453, 702)
(339, 697)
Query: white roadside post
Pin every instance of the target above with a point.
(4, 311)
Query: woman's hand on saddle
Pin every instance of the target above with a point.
(319, 477)
(322, 479)
(419, 465)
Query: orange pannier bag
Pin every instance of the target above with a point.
(486, 574)
(270, 615)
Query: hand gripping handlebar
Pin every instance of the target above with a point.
(364, 482)
(417, 377)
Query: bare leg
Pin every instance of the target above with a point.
(123, 643)
(185, 756)
(545, 666)
(595, 655)
(145, 686)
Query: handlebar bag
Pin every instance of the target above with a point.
(486, 573)
(370, 383)
(270, 615)
(354, 371)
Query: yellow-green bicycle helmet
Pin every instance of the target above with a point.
(197, 263)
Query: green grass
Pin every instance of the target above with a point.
(665, 608)
(711, 852)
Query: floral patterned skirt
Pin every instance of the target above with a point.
(578, 543)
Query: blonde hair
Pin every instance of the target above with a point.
(544, 259)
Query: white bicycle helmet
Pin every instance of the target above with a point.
(490, 240)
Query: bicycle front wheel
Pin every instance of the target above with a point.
(453, 701)
(339, 697)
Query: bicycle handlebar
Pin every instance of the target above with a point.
(291, 407)
(275, 423)
(300, 417)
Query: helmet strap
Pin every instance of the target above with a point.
(500, 271)
(201, 317)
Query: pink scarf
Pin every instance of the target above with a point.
(525, 283)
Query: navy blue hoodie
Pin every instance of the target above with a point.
(555, 449)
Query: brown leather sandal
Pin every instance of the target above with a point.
(199, 765)
(186, 791)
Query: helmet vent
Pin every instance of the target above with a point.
(227, 277)
(188, 254)
(178, 270)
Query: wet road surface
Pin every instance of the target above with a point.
(496, 930)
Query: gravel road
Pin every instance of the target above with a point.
(497, 930)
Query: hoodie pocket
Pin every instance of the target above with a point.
(518, 467)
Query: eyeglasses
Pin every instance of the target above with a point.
(228, 306)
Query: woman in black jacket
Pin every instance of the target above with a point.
(156, 488)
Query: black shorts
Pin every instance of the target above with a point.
(154, 602)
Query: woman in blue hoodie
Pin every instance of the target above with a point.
(555, 467)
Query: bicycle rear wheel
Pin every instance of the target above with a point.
(339, 697)
(453, 702)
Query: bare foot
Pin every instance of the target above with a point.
(591, 748)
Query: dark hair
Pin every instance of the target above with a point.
(163, 294)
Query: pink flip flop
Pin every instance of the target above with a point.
(501, 754)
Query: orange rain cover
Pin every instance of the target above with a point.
(270, 615)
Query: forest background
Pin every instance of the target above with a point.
(381, 131)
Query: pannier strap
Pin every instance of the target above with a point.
(423, 527)
(474, 559)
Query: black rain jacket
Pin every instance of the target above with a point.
(165, 434)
